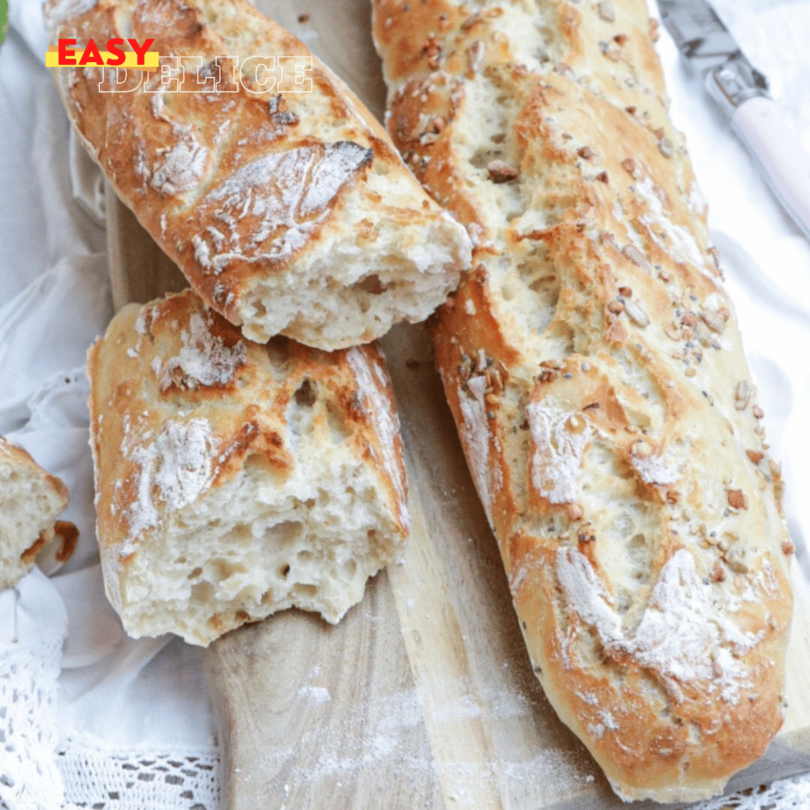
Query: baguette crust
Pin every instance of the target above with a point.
(595, 371)
(30, 500)
(220, 463)
(288, 212)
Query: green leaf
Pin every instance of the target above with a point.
(3, 20)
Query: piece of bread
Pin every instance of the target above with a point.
(235, 479)
(30, 501)
(596, 373)
(289, 213)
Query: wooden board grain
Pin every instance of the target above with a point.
(423, 697)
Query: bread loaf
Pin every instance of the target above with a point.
(595, 370)
(234, 479)
(30, 501)
(288, 212)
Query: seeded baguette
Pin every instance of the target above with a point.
(595, 371)
(287, 212)
(234, 479)
(30, 501)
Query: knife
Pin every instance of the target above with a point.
(742, 94)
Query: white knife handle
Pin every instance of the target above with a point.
(782, 158)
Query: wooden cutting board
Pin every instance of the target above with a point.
(423, 696)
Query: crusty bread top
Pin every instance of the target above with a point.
(180, 401)
(248, 193)
(596, 372)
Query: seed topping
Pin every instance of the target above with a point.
(501, 172)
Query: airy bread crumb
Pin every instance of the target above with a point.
(30, 500)
(234, 479)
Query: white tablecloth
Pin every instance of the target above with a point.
(88, 716)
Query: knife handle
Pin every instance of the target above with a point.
(783, 160)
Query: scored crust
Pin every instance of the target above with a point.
(235, 479)
(287, 212)
(595, 371)
(30, 501)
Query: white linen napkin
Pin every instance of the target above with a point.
(88, 711)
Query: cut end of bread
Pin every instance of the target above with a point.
(30, 501)
(237, 479)
(250, 549)
(350, 292)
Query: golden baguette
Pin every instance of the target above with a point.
(596, 373)
(288, 212)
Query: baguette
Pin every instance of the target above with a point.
(288, 212)
(30, 501)
(233, 479)
(595, 371)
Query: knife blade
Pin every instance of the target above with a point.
(741, 92)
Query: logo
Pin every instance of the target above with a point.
(258, 75)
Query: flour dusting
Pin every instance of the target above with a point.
(183, 165)
(386, 736)
(677, 240)
(558, 451)
(318, 694)
(685, 620)
(173, 470)
(269, 208)
(654, 470)
(204, 359)
(57, 12)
